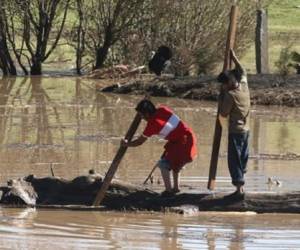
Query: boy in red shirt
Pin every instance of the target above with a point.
(180, 148)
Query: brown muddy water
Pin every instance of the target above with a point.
(64, 124)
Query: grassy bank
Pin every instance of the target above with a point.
(284, 16)
(284, 30)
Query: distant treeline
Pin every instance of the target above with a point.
(106, 32)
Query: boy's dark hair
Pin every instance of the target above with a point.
(237, 74)
(223, 77)
(146, 107)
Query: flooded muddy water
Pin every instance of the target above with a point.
(64, 124)
(43, 229)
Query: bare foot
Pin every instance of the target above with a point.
(175, 190)
(167, 193)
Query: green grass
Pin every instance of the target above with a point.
(284, 16)
(284, 30)
(274, 51)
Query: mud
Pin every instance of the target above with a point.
(79, 193)
(264, 89)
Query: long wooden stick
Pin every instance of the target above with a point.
(116, 161)
(230, 37)
(155, 166)
(218, 129)
(149, 176)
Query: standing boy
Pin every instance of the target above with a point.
(181, 141)
(234, 108)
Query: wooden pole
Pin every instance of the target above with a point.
(116, 161)
(218, 129)
(230, 37)
(261, 42)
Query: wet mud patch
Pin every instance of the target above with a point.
(264, 89)
(79, 193)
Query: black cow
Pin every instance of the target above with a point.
(160, 60)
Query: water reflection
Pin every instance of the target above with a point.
(64, 124)
(33, 229)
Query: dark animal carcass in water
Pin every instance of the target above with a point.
(160, 60)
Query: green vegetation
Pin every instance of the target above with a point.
(284, 31)
(80, 35)
(284, 16)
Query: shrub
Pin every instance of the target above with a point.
(288, 60)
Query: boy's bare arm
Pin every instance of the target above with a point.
(225, 105)
(236, 61)
(134, 143)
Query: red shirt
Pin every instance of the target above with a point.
(166, 124)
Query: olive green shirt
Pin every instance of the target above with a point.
(235, 105)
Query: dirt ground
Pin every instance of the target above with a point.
(268, 89)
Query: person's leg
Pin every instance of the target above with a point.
(166, 178)
(244, 148)
(245, 152)
(235, 164)
(176, 180)
(165, 173)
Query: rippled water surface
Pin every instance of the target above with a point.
(42, 229)
(64, 124)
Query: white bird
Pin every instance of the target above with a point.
(275, 182)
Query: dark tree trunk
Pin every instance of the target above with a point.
(3, 65)
(101, 56)
(3, 68)
(79, 50)
(80, 38)
(102, 52)
(7, 68)
(261, 42)
(78, 65)
(6, 63)
(36, 68)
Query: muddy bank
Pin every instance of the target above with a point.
(79, 193)
(264, 89)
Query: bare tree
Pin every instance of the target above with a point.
(6, 62)
(40, 24)
(109, 20)
(80, 48)
(34, 28)
(121, 31)
(194, 29)
(76, 36)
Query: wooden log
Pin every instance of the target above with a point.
(218, 129)
(261, 42)
(214, 155)
(116, 161)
